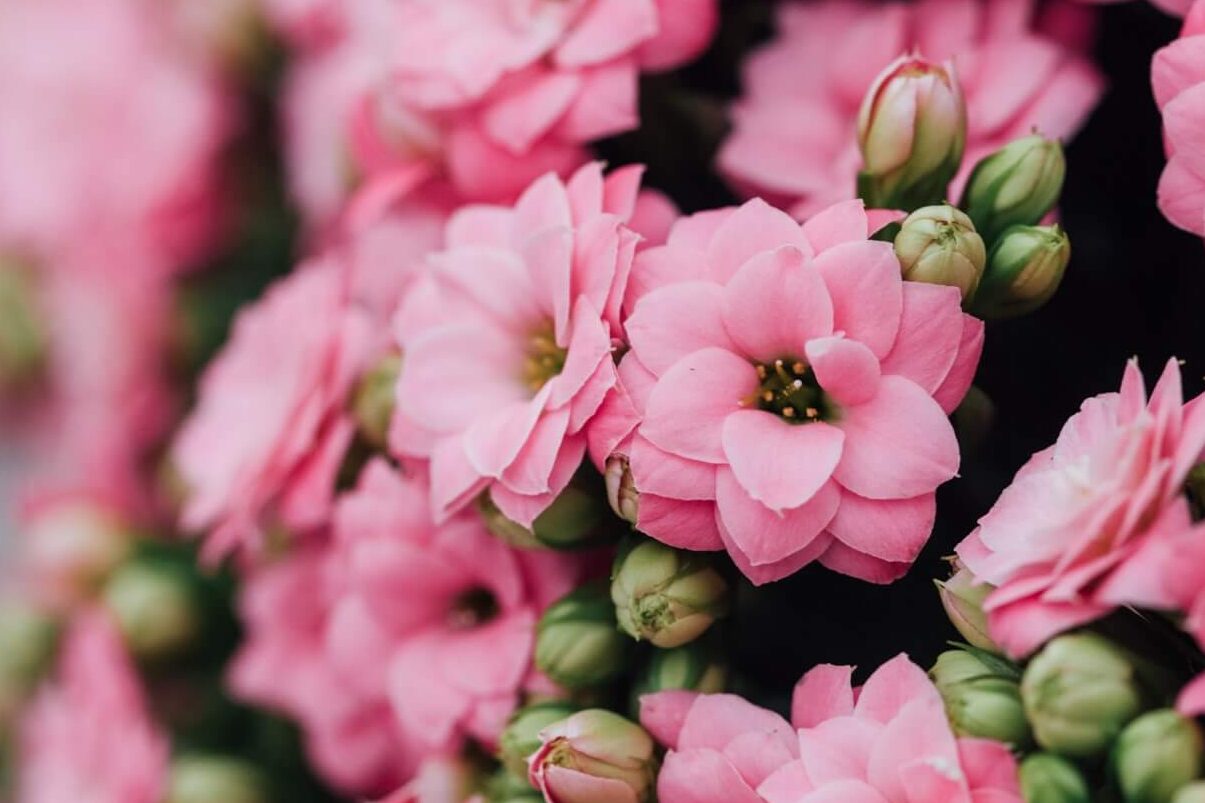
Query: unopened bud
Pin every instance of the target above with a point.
(578, 642)
(373, 400)
(155, 607)
(1023, 272)
(666, 596)
(23, 342)
(521, 738)
(690, 668)
(207, 778)
(1047, 778)
(1079, 692)
(506, 787)
(912, 132)
(27, 644)
(1192, 793)
(621, 489)
(1017, 185)
(962, 596)
(592, 756)
(1157, 754)
(69, 548)
(570, 522)
(982, 700)
(939, 245)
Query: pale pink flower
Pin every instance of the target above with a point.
(1081, 508)
(1178, 77)
(87, 734)
(786, 392)
(438, 780)
(886, 742)
(507, 342)
(793, 140)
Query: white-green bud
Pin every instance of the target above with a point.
(1024, 270)
(1017, 185)
(578, 642)
(939, 245)
(981, 700)
(1047, 778)
(1157, 754)
(666, 596)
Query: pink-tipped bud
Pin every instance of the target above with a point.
(594, 755)
(912, 132)
(962, 596)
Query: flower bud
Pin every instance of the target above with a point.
(1016, 185)
(912, 131)
(373, 400)
(1192, 793)
(621, 489)
(209, 778)
(594, 755)
(155, 607)
(694, 667)
(665, 596)
(982, 700)
(1156, 755)
(69, 548)
(521, 738)
(962, 596)
(505, 787)
(939, 245)
(23, 342)
(1079, 692)
(1047, 778)
(578, 643)
(1023, 272)
(27, 644)
(570, 522)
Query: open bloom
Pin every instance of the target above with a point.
(793, 137)
(885, 742)
(87, 735)
(1178, 77)
(785, 394)
(1082, 507)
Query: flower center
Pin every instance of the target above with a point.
(788, 388)
(545, 359)
(472, 608)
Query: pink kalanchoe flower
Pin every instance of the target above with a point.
(1178, 77)
(87, 735)
(454, 610)
(786, 392)
(521, 308)
(886, 742)
(1081, 508)
(793, 140)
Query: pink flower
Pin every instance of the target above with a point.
(87, 735)
(793, 140)
(451, 611)
(1178, 76)
(1081, 508)
(521, 308)
(786, 392)
(886, 742)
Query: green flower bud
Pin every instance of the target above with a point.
(939, 245)
(570, 522)
(28, 639)
(373, 400)
(1192, 793)
(621, 489)
(505, 787)
(1079, 692)
(23, 341)
(578, 643)
(981, 700)
(693, 668)
(1024, 270)
(666, 596)
(962, 596)
(1047, 778)
(1016, 185)
(1156, 755)
(155, 607)
(521, 737)
(208, 778)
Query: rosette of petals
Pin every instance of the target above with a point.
(1178, 77)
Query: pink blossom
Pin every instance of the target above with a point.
(793, 140)
(87, 735)
(786, 392)
(521, 308)
(1178, 76)
(1083, 507)
(886, 742)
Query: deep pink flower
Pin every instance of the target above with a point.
(786, 392)
(1082, 507)
(507, 343)
(793, 140)
(886, 742)
(87, 735)
(1178, 76)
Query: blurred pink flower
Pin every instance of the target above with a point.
(1081, 508)
(786, 392)
(886, 742)
(1178, 77)
(87, 735)
(793, 140)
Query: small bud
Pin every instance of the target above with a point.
(23, 341)
(27, 644)
(1192, 793)
(208, 778)
(939, 245)
(621, 489)
(1079, 692)
(1017, 185)
(594, 755)
(1047, 778)
(372, 402)
(505, 787)
(578, 642)
(962, 596)
(1156, 755)
(666, 596)
(982, 700)
(690, 668)
(521, 738)
(69, 548)
(912, 131)
(1023, 272)
(155, 608)
(570, 522)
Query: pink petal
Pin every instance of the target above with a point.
(863, 280)
(780, 464)
(664, 713)
(664, 474)
(606, 104)
(674, 321)
(847, 370)
(930, 333)
(702, 776)
(769, 572)
(495, 439)
(609, 28)
(716, 719)
(822, 693)
(892, 530)
(892, 686)
(775, 304)
(681, 524)
(529, 107)
(1191, 702)
(844, 560)
(562, 783)
(752, 229)
(454, 481)
(962, 373)
(840, 223)
(1177, 67)
(763, 536)
(531, 469)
